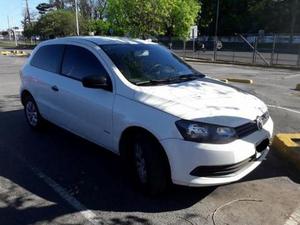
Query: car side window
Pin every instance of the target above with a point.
(79, 62)
(48, 58)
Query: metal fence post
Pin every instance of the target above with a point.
(194, 45)
(273, 49)
(184, 49)
(254, 51)
(298, 61)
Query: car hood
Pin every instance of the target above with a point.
(206, 100)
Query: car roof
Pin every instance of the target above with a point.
(100, 40)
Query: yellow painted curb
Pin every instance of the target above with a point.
(5, 52)
(288, 146)
(298, 87)
(21, 54)
(224, 80)
(15, 53)
(246, 81)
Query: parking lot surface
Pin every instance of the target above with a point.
(54, 177)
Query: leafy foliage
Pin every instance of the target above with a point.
(153, 17)
(58, 23)
(99, 27)
(249, 16)
(181, 17)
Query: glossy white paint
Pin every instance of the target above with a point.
(102, 116)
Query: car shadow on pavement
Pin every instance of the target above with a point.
(94, 176)
(274, 166)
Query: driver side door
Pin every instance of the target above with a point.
(86, 112)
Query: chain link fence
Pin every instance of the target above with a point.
(269, 50)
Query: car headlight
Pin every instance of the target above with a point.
(205, 133)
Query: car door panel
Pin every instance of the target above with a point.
(85, 111)
(43, 75)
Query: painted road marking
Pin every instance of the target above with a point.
(292, 76)
(83, 210)
(294, 218)
(284, 108)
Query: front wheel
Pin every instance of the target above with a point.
(33, 117)
(150, 166)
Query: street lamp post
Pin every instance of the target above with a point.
(216, 31)
(76, 16)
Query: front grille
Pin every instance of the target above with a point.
(249, 128)
(263, 145)
(246, 129)
(213, 171)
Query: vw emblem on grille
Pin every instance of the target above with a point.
(259, 122)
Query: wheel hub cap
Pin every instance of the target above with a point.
(31, 113)
(140, 163)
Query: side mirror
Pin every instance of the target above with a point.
(97, 81)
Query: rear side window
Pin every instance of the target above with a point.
(79, 63)
(48, 58)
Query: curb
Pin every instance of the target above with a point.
(298, 87)
(288, 146)
(5, 52)
(224, 80)
(17, 53)
(245, 81)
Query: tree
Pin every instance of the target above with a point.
(153, 17)
(99, 27)
(276, 16)
(44, 8)
(58, 23)
(250, 16)
(85, 8)
(30, 30)
(59, 4)
(100, 9)
(182, 16)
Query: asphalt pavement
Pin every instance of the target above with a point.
(54, 177)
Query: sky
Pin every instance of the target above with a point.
(14, 9)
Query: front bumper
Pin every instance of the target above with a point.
(185, 156)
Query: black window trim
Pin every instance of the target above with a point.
(73, 78)
(59, 68)
(59, 71)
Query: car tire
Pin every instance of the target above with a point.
(149, 166)
(32, 114)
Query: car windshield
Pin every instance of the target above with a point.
(149, 64)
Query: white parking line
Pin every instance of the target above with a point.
(292, 76)
(86, 213)
(284, 108)
(294, 219)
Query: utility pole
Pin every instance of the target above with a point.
(14, 33)
(27, 15)
(8, 28)
(76, 16)
(216, 31)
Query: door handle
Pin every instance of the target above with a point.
(54, 88)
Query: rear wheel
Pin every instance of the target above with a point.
(151, 171)
(32, 114)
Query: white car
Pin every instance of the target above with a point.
(169, 122)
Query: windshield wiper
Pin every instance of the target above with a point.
(152, 82)
(170, 80)
(187, 77)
